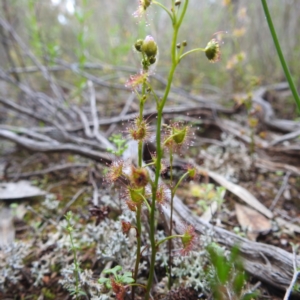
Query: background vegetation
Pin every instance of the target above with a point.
(64, 64)
(104, 31)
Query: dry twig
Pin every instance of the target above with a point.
(295, 276)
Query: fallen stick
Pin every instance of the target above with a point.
(265, 262)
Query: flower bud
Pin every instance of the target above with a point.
(149, 46)
(152, 60)
(212, 50)
(146, 3)
(136, 195)
(179, 134)
(192, 172)
(177, 2)
(138, 45)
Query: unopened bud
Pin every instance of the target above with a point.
(179, 135)
(138, 45)
(177, 2)
(192, 172)
(152, 60)
(212, 50)
(149, 46)
(146, 3)
(136, 195)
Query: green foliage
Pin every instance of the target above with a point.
(280, 55)
(34, 30)
(74, 291)
(296, 287)
(48, 294)
(81, 14)
(208, 193)
(237, 230)
(14, 207)
(229, 278)
(53, 51)
(118, 140)
(123, 278)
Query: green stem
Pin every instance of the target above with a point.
(157, 173)
(139, 243)
(171, 220)
(146, 202)
(170, 237)
(140, 152)
(173, 191)
(164, 8)
(137, 284)
(191, 51)
(76, 265)
(178, 24)
(179, 182)
(160, 108)
(140, 144)
(138, 211)
(150, 164)
(69, 229)
(153, 93)
(280, 54)
(252, 144)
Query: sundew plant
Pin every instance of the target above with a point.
(144, 190)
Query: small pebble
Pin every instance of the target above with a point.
(283, 242)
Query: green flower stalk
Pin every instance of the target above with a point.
(160, 106)
(139, 177)
(280, 54)
(188, 239)
(174, 140)
(212, 51)
(69, 228)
